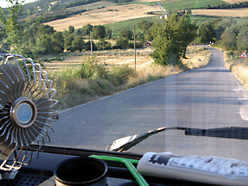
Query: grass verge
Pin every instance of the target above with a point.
(238, 66)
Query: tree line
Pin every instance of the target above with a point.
(226, 6)
(225, 32)
(34, 38)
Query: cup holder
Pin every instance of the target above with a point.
(81, 171)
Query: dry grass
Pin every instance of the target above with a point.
(238, 12)
(239, 69)
(110, 57)
(197, 56)
(126, 57)
(151, 72)
(111, 14)
(241, 73)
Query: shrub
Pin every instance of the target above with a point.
(119, 75)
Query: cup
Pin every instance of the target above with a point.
(81, 171)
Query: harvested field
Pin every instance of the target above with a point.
(102, 16)
(115, 57)
(196, 55)
(238, 12)
(233, 1)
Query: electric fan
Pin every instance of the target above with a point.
(26, 101)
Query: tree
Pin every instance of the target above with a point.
(171, 39)
(228, 38)
(221, 24)
(242, 38)
(122, 43)
(71, 29)
(9, 21)
(102, 44)
(68, 38)
(77, 44)
(108, 33)
(44, 29)
(206, 33)
(126, 34)
(99, 31)
(140, 37)
(44, 44)
(58, 42)
(145, 25)
(87, 29)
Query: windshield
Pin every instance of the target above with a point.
(126, 67)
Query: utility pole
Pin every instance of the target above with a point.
(91, 47)
(134, 46)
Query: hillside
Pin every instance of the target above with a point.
(111, 14)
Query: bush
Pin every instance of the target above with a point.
(119, 75)
(86, 70)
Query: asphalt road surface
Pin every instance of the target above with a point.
(202, 98)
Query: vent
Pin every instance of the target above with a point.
(24, 179)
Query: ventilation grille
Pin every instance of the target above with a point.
(25, 179)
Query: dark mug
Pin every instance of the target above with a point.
(81, 171)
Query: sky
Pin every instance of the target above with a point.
(4, 4)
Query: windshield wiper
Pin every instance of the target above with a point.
(123, 144)
(225, 132)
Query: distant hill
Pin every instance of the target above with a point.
(58, 9)
(62, 13)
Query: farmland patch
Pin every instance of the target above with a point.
(239, 12)
(107, 15)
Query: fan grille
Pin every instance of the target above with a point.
(26, 101)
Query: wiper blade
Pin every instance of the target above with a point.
(124, 144)
(225, 132)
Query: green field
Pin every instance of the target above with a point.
(127, 25)
(190, 4)
(201, 19)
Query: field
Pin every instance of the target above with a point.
(239, 12)
(127, 25)
(189, 4)
(121, 57)
(111, 57)
(111, 14)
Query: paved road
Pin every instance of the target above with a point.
(206, 97)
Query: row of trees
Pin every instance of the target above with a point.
(242, 4)
(36, 38)
(171, 37)
(224, 32)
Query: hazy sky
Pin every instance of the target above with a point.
(4, 4)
